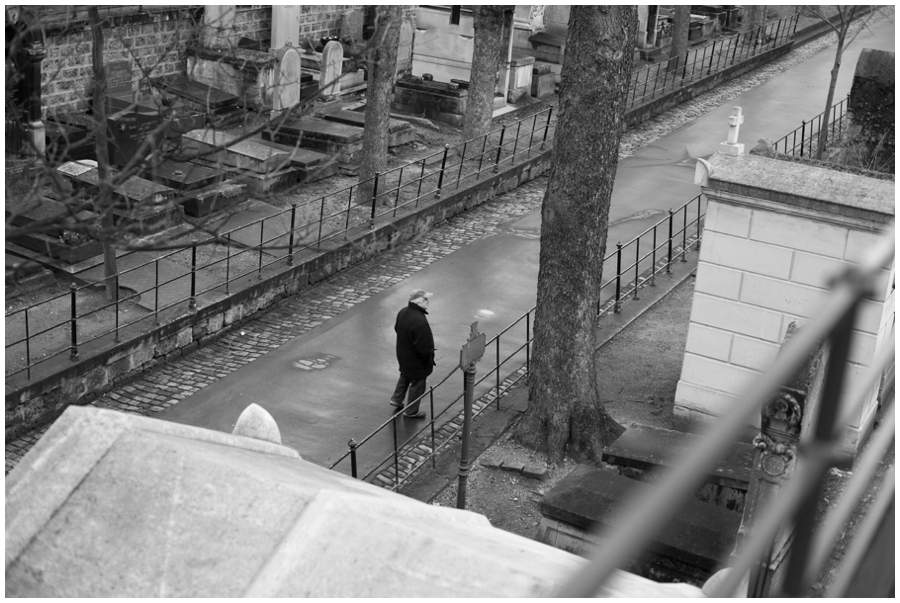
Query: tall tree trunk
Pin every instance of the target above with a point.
(681, 28)
(104, 196)
(485, 62)
(382, 65)
(565, 415)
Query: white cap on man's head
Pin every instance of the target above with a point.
(419, 294)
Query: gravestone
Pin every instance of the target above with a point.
(127, 130)
(332, 64)
(287, 94)
(404, 49)
(352, 25)
(119, 85)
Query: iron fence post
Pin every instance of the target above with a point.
(468, 399)
(27, 347)
(261, 239)
(618, 276)
(421, 178)
(528, 342)
(653, 261)
(374, 200)
(350, 205)
(399, 186)
(73, 350)
(352, 444)
(546, 128)
(712, 55)
(441, 175)
(396, 452)
(637, 264)
(228, 264)
(516, 144)
(290, 257)
(669, 260)
(497, 355)
(698, 222)
(431, 405)
(156, 292)
(192, 302)
(802, 135)
(116, 331)
(322, 223)
(499, 150)
(684, 248)
(531, 137)
(462, 162)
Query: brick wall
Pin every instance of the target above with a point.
(317, 21)
(154, 42)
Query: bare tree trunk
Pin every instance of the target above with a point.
(485, 62)
(382, 65)
(846, 15)
(104, 196)
(681, 27)
(565, 415)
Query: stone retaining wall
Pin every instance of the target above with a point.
(103, 365)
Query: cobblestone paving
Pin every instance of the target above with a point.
(169, 383)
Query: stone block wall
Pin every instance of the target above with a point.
(254, 22)
(767, 259)
(154, 41)
(318, 20)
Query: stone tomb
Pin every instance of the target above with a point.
(690, 548)
(127, 130)
(218, 106)
(262, 167)
(141, 206)
(52, 242)
(399, 132)
(438, 101)
(200, 190)
(343, 141)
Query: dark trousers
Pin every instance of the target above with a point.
(416, 388)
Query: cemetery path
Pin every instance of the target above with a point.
(347, 319)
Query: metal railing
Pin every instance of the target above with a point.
(655, 81)
(508, 353)
(796, 505)
(804, 140)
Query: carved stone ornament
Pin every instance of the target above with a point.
(537, 18)
(784, 413)
(775, 458)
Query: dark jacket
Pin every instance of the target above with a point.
(415, 344)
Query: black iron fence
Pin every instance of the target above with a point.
(507, 356)
(660, 79)
(805, 140)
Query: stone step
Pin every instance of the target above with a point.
(649, 448)
(693, 545)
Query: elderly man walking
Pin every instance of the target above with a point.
(415, 353)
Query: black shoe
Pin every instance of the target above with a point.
(418, 415)
(396, 404)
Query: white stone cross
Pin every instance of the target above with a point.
(731, 146)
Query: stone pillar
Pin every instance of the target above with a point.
(27, 60)
(285, 26)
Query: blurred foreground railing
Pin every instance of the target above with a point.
(795, 505)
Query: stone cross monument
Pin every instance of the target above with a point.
(732, 146)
